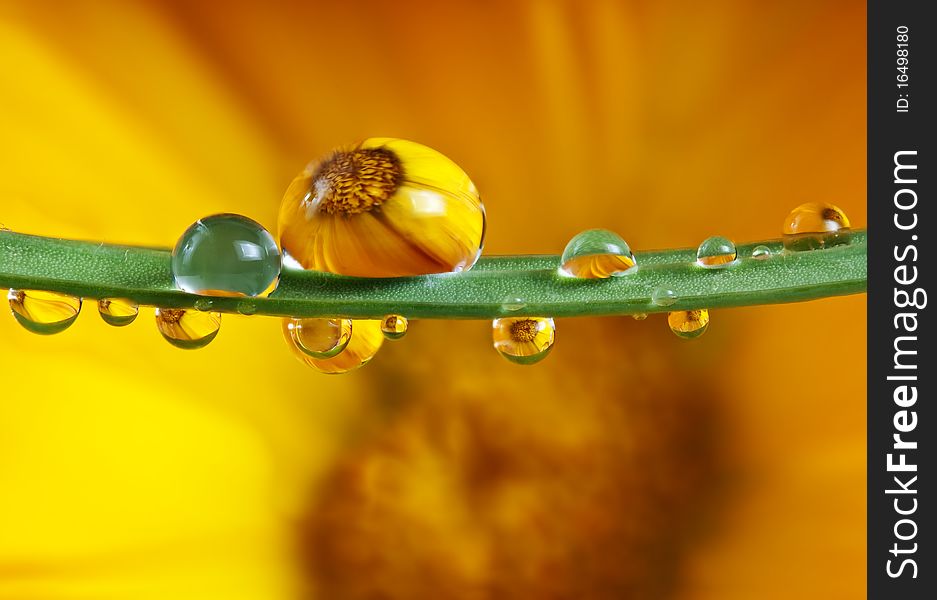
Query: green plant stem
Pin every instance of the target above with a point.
(97, 270)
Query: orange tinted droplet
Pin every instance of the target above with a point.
(814, 226)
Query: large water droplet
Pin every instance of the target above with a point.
(689, 324)
(118, 312)
(366, 340)
(663, 297)
(523, 340)
(226, 255)
(318, 337)
(815, 225)
(596, 254)
(187, 329)
(44, 312)
(394, 327)
(716, 252)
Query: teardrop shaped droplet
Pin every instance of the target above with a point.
(187, 329)
(523, 340)
(814, 226)
(44, 312)
(366, 340)
(689, 324)
(663, 297)
(596, 254)
(318, 337)
(118, 312)
(716, 252)
(394, 327)
(761, 252)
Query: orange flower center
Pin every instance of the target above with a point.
(357, 181)
(524, 330)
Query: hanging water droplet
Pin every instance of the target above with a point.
(394, 327)
(187, 329)
(366, 340)
(203, 304)
(247, 307)
(226, 255)
(513, 304)
(663, 297)
(118, 311)
(523, 340)
(689, 324)
(596, 254)
(716, 252)
(318, 337)
(639, 316)
(44, 312)
(761, 252)
(815, 225)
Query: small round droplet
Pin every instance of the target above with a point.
(187, 329)
(318, 337)
(394, 327)
(44, 312)
(226, 255)
(523, 340)
(366, 340)
(596, 254)
(761, 252)
(716, 252)
(247, 307)
(689, 324)
(513, 304)
(203, 304)
(118, 312)
(814, 226)
(639, 316)
(3, 228)
(663, 297)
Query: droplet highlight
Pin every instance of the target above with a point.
(513, 304)
(187, 329)
(523, 340)
(44, 312)
(247, 307)
(761, 252)
(689, 324)
(366, 340)
(394, 327)
(663, 297)
(317, 337)
(596, 254)
(118, 312)
(814, 226)
(203, 304)
(716, 252)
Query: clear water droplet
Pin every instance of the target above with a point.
(226, 255)
(523, 340)
(663, 297)
(639, 316)
(318, 337)
(187, 329)
(513, 304)
(761, 252)
(247, 307)
(44, 312)
(814, 226)
(203, 304)
(118, 312)
(394, 326)
(366, 340)
(689, 324)
(716, 252)
(596, 254)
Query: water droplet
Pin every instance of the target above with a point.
(639, 316)
(513, 304)
(689, 324)
(118, 311)
(3, 227)
(318, 337)
(247, 307)
(203, 304)
(815, 225)
(226, 255)
(394, 327)
(523, 340)
(663, 297)
(596, 254)
(187, 329)
(716, 252)
(761, 252)
(44, 312)
(366, 340)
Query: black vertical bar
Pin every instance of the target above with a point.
(902, 435)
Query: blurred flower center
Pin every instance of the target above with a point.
(524, 330)
(354, 182)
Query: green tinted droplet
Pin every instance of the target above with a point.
(663, 297)
(118, 312)
(716, 252)
(319, 338)
(596, 254)
(203, 304)
(44, 312)
(187, 329)
(394, 327)
(247, 307)
(689, 324)
(226, 255)
(513, 304)
(523, 340)
(814, 226)
(761, 252)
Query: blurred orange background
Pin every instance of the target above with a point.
(629, 464)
